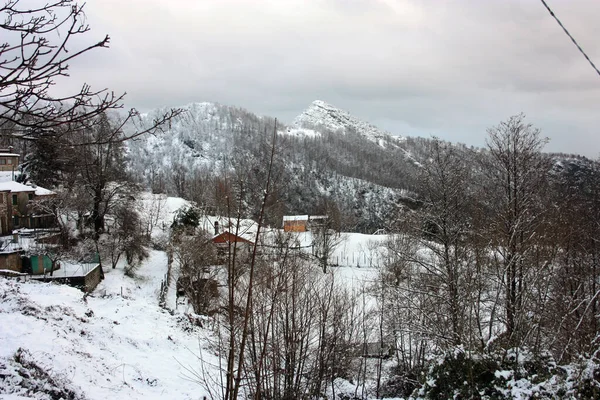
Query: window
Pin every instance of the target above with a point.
(15, 200)
(30, 196)
(2, 161)
(2, 198)
(15, 220)
(9, 161)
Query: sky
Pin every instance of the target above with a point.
(450, 69)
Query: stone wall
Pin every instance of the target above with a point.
(86, 283)
(93, 278)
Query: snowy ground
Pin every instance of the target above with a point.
(354, 249)
(116, 343)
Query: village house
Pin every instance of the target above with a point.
(227, 234)
(225, 239)
(16, 207)
(16, 255)
(302, 223)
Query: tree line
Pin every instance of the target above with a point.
(501, 256)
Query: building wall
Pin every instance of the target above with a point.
(93, 278)
(294, 226)
(16, 211)
(5, 213)
(20, 207)
(9, 163)
(11, 261)
(86, 283)
(23, 212)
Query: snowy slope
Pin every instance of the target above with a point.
(116, 343)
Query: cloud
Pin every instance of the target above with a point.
(451, 68)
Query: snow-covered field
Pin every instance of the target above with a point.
(354, 249)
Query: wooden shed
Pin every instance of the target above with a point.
(295, 223)
(302, 223)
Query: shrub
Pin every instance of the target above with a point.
(516, 372)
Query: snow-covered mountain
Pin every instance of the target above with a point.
(323, 115)
(325, 154)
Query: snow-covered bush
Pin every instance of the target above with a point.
(588, 385)
(186, 218)
(514, 374)
(401, 383)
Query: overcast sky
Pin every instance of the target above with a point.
(415, 68)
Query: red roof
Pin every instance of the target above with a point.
(227, 237)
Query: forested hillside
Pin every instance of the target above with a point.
(325, 159)
(212, 148)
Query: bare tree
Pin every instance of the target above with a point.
(153, 210)
(444, 230)
(303, 331)
(433, 263)
(196, 257)
(516, 179)
(408, 311)
(125, 235)
(326, 237)
(100, 169)
(38, 45)
(248, 310)
(571, 323)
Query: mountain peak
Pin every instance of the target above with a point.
(323, 114)
(321, 103)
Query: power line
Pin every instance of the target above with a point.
(569, 35)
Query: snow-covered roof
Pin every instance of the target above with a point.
(302, 217)
(40, 191)
(226, 237)
(9, 155)
(16, 187)
(295, 218)
(7, 176)
(23, 243)
(70, 269)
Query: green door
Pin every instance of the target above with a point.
(35, 265)
(47, 262)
